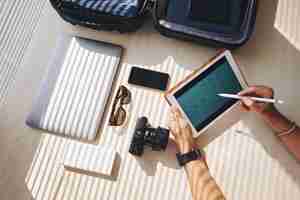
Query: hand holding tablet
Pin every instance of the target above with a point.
(196, 97)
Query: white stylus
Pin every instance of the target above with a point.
(234, 96)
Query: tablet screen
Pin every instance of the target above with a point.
(199, 99)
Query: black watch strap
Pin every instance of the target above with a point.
(183, 159)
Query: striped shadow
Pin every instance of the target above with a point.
(74, 93)
(288, 20)
(89, 158)
(153, 177)
(127, 8)
(239, 164)
(17, 26)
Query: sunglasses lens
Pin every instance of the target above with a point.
(126, 99)
(118, 117)
(120, 92)
(125, 95)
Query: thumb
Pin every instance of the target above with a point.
(248, 102)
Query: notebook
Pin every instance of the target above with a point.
(89, 158)
(75, 91)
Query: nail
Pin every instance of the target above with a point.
(248, 102)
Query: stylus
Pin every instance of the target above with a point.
(234, 96)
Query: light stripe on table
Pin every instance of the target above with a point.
(287, 20)
(80, 92)
(17, 26)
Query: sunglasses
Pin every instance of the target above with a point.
(118, 113)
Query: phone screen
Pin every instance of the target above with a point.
(149, 78)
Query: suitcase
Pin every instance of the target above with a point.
(220, 23)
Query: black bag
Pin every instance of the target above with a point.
(221, 23)
(200, 24)
(92, 14)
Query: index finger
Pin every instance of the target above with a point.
(248, 91)
(182, 122)
(176, 112)
(258, 91)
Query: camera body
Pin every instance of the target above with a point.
(145, 135)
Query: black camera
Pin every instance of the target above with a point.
(145, 135)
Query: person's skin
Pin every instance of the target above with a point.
(202, 184)
(273, 117)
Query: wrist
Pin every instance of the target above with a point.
(186, 145)
(278, 122)
(193, 156)
(270, 111)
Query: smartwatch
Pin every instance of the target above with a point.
(185, 158)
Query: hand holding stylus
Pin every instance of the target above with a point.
(257, 91)
(257, 99)
(287, 130)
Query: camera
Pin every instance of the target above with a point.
(146, 135)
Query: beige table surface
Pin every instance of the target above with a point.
(250, 165)
(287, 20)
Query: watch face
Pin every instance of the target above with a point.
(198, 152)
(193, 155)
(179, 159)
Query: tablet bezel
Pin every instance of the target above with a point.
(170, 95)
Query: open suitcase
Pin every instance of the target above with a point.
(220, 23)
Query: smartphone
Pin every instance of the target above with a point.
(148, 78)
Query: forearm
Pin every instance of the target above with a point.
(202, 184)
(280, 123)
(276, 120)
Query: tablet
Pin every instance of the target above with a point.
(197, 96)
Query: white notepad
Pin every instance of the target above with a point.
(75, 92)
(89, 158)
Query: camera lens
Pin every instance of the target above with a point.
(137, 144)
(159, 140)
(164, 137)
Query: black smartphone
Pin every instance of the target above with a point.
(148, 78)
